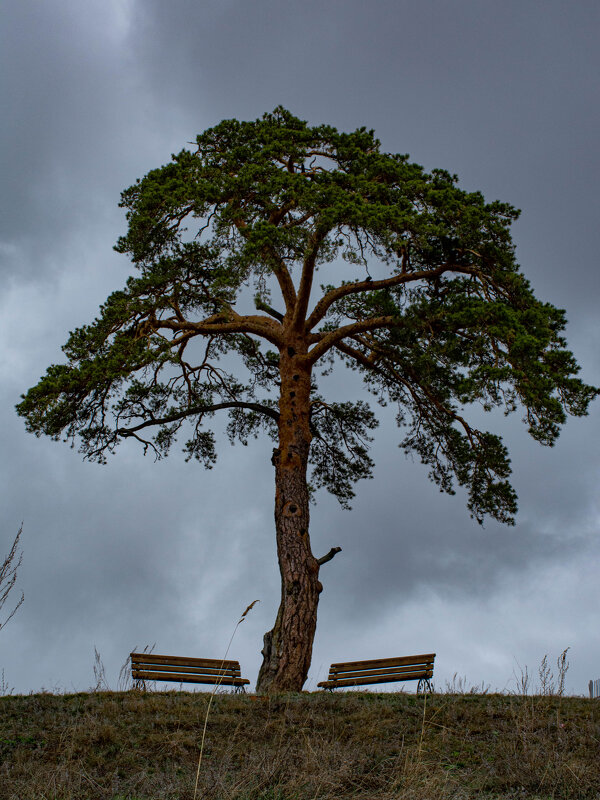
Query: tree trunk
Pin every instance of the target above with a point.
(287, 647)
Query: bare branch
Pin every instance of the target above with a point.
(328, 556)
(331, 338)
(266, 410)
(262, 306)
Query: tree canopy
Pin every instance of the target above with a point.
(261, 206)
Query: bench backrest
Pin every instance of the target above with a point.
(151, 666)
(383, 670)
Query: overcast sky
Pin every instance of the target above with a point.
(138, 553)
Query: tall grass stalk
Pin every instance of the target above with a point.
(422, 728)
(214, 691)
(8, 575)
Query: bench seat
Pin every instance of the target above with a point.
(179, 669)
(382, 670)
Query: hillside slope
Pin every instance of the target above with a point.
(359, 745)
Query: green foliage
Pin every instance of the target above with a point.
(339, 449)
(260, 206)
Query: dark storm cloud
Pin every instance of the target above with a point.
(135, 552)
(59, 94)
(503, 94)
(78, 127)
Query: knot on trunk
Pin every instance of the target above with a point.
(292, 509)
(293, 589)
(275, 456)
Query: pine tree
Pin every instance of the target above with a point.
(434, 314)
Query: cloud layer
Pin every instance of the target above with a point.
(137, 552)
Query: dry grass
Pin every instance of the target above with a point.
(8, 576)
(366, 746)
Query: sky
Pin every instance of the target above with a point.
(166, 555)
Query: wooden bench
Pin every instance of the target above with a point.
(382, 670)
(152, 667)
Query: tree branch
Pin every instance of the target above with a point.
(226, 322)
(470, 432)
(288, 290)
(332, 338)
(308, 270)
(262, 306)
(329, 555)
(266, 410)
(332, 296)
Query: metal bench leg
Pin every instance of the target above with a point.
(424, 683)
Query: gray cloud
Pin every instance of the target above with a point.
(138, 552)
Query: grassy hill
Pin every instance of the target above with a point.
(360, 745)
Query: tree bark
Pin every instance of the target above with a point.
(287, 647)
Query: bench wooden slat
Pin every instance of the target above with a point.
(155, 658)
(395, 673)
(181, 678)
(365, 681)
(180, 669)
(192, 670)
(348, 666)
(381, 670)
